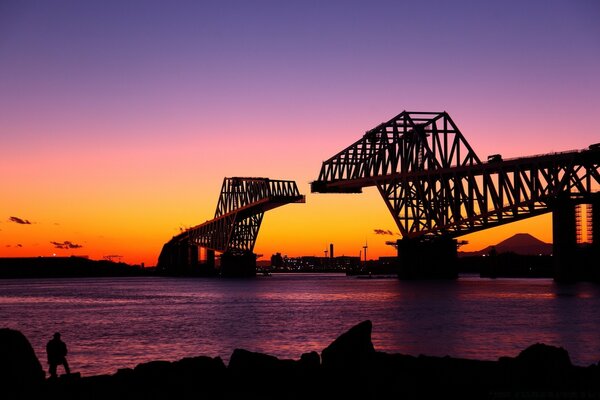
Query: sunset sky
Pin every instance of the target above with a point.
(119, 119)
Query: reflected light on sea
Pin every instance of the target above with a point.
(112, 323)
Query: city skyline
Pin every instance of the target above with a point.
(120, 120)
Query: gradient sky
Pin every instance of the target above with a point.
(119, 119)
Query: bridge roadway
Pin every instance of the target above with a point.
(233, 230)
(437, 188)
(483, 195)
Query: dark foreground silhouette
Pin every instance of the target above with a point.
(349, 367)
(56, 350)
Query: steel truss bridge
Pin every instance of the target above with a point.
(435, 185)
(234, 228)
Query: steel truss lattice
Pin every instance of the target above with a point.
(434, 184)
(240, 210)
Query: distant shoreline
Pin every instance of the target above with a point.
(65, 267)
(503, 265)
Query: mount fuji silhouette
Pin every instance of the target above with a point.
(521, 243)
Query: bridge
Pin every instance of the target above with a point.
(233, 230)
(437, 189)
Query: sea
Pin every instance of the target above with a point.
(113, 323)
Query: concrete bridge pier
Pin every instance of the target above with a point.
(427, 258)
(205, 266)
(592, 254)
(240, 264)
(210, 259)
(596, 227)
(185, 258)
(575, 261)
(564, 240)
(192, 257)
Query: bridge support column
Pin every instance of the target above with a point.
(193, 256)
(238, 264)
(591, 261)
(206, 265)
(210, 259)
(427, 258)
(564, 241)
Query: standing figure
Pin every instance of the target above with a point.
(57, 353)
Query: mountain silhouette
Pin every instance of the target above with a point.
(521, 243)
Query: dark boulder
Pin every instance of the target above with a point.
(201, 370)
(19, 365)
(352, 349)
(199, 365)
(541, 365)
(543, 356)
(258, 375)
(177, 379)
(153, 370)
(248, 360)
(310, 360)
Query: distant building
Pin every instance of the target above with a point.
(276, 260)
(313, 263)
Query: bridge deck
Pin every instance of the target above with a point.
(354, 185)
(240, 208)
(434, 184)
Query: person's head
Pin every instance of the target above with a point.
(57, 335)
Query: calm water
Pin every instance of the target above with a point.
(111, 323)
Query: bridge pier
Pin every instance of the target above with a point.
(238, 264)
(596, 227)
(564, 240)
(591, 254)
(210, 259)
(181, 258)
(192, 257)
(575, 261)
(427, 258)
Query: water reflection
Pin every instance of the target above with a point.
(114, 323)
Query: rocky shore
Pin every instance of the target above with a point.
(349, 367)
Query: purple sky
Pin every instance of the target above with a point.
(269, 88)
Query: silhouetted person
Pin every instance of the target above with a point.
(57, 353)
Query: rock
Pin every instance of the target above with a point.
(201, 370)
(154, 374)
(124, 372)
(199, 365)
(543, 356)
(248, 360)
(19, 365)
(310, 360)
(73, 376)
(153, 370)
(258, 375)
(541, 365)
(351, 350)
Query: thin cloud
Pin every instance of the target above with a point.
(66, 245)
(383, 232)
(18, 220)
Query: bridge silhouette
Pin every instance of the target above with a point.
(233, 230)
(437, 188)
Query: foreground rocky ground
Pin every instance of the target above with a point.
(348, 368)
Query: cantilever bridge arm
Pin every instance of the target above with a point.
(434, 184)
